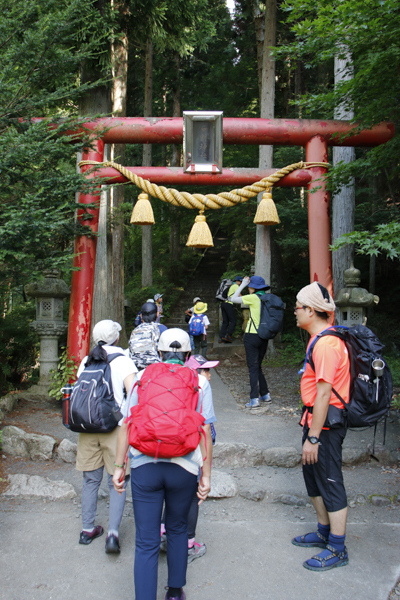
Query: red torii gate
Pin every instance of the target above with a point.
(315, 135)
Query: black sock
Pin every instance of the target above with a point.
(174, 592)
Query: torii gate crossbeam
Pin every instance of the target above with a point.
(315, 135)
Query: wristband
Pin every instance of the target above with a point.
(119, 466)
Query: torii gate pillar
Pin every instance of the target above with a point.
(319, 223)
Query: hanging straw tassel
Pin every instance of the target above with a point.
(266, 211)
(200, 235)
(142, 213)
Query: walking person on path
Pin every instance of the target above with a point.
(255, 346)
(228, 313)
(170, 480)
(144, 338)
(198, 326)
(190, 311)
(159, 304)
(322, 445)
(138, 318)
(195, 549)
(96, 450)
(189, 314)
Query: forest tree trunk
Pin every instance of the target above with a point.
(174, 232)
(95, 102)
(343, 203)
(267, 86)
(147, 249)
(120, 79)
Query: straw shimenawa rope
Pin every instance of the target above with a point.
(200, 201)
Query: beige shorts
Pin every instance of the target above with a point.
(96, 450)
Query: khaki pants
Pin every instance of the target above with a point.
(96, 450)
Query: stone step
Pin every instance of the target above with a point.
(223, 350)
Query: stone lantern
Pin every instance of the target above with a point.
(49, 325)
(353, 301)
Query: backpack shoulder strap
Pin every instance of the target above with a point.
(328, 331)
(111, 357)
(251, 318)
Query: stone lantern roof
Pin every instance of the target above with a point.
(50, 287)
(352, 295)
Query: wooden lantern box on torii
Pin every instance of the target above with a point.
(315, 135)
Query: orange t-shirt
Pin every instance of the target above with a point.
(331, 361)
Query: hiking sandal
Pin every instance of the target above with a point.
(342, 560)
(300, 540)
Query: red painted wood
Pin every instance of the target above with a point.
(287, 132)
(319, 225)
(80, 312)
(229, 177)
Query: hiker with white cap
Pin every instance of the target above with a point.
(195, 549)
(189, 312)
(166, 395)
(97, 450)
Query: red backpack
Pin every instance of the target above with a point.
(165, 422)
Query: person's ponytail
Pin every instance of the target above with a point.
(97, 354)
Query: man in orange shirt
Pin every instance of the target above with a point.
(324, 428)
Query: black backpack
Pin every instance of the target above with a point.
(370, 396)
(271, 316)
(92, 407)
(222, 291)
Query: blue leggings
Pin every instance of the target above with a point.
(152, 484)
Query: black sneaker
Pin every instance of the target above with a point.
(112, 544)
(87, 538)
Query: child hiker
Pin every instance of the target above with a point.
(198, 326)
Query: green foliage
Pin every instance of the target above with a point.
(386, 239)
(394, 365)
(290, 352)
(365, 36)
(18, 348)
(65, 372)
(369, 32)
(43, 44)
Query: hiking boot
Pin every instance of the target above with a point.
(196, 551)
(266, 398)
(254, 403)
(228, 339)
(112, 544)
(88, 537)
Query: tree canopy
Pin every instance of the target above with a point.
(367, 32)
(43, 45)
(49, 46)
